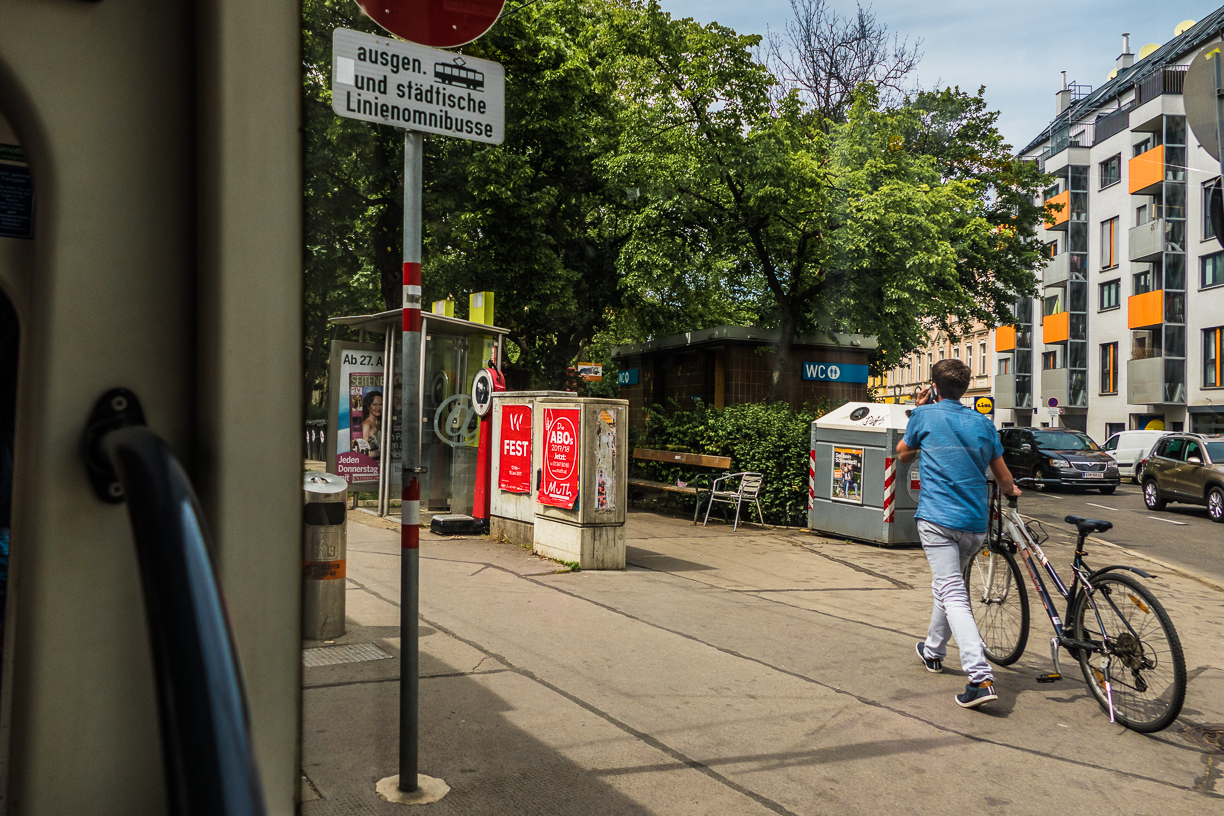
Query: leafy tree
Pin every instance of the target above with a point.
(353, 198)
(828, 226)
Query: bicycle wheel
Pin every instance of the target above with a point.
(1142, 654)
(999, 601)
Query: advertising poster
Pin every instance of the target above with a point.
(560, 483)
(848, 475)
(363, 408)
(514, 458)
(359, 461)
(605, 461)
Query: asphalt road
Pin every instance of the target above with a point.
(1180, 535)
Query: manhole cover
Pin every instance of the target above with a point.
(348, 653)
(1209, 736)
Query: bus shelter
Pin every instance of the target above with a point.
(364, 439)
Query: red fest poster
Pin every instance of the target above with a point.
(514, 458)
(560, 487)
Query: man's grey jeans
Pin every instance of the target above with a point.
(948, 551)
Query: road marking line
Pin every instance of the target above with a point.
(1170, 521)
(1103, 507)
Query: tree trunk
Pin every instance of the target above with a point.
(318, 351)
(781, 358)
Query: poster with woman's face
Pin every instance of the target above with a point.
(359, 461)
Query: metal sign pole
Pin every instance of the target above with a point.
(410, 509)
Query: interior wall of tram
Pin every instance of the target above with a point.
(163, 147)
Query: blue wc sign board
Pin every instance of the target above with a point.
(627, 377)
(835, 372)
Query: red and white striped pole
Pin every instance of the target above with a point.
(890, 489)
(410, 509)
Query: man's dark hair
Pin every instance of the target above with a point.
(951, 378)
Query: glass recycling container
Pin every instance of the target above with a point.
(857, 487)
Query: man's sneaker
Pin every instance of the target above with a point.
(933, 666)
(976, 694)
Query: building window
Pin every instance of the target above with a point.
(1111, 171)
(930, 363)
(1109, 368)
(1213, 269)
(1142, 282)
(1109, 243)
(982, 368)
(1208, 229)
(1051, 249)
(1212, 354)
(1004, 365)
(955, 353)
(1111, 295)
(969, 359)
(1049, 360)
(1113, 428)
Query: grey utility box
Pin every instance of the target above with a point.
(324, 556)
(580, 470)
(857, 488)
(511, 497)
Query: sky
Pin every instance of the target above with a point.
(1016, 50)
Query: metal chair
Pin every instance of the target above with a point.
(747, 491)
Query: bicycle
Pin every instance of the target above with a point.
(1122, 637)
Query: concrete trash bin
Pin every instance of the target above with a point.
(857, 488)
(323, 556)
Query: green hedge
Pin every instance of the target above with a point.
(769, 439)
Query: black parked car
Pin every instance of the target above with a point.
(1055, 454)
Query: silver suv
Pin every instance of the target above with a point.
(1186, 468)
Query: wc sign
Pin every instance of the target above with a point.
(835, 372)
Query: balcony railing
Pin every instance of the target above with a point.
(1111, 124)
(1146, 242)
(1155, 381)
(1076, 135)
(1057, 270)
(1168, 80)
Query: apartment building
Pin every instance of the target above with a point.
(1127, 330)
(974, 347)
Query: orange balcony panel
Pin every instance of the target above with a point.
(1005, 338)
(1145, 310)
(1056, 328)
(1146, 169)
(1063, 215)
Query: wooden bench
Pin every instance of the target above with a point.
(675, 458)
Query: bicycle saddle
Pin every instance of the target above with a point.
(1086, 526)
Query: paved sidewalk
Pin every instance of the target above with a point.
(728, 673)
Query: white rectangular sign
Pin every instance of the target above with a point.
(393, 82)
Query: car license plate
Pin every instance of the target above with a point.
(1094, 475)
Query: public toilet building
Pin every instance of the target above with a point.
(731, 365)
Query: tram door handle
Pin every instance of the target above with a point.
(205, 733)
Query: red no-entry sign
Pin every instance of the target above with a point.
(437, 23)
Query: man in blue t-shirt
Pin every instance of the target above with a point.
(957, 444)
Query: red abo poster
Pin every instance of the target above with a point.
(560, 487)
(514, 458)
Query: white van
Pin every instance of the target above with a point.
(1129, 448)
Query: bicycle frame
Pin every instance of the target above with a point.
(1081, 585)
(1028, 547)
